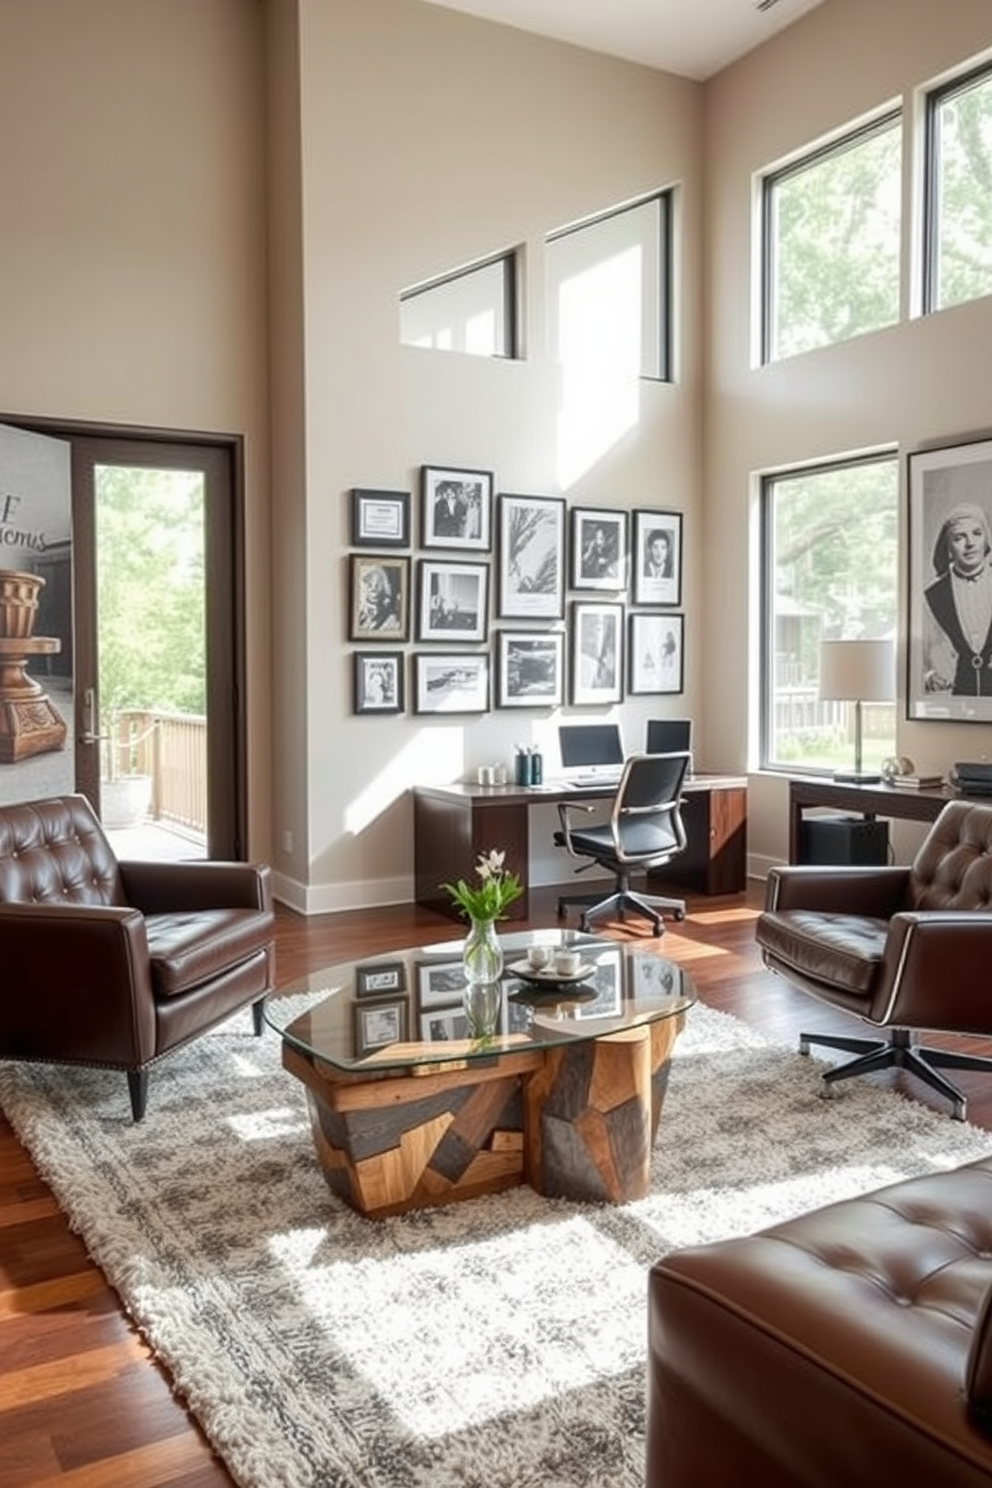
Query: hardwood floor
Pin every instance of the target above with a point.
(81, 1400)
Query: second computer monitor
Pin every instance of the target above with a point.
(668, 735)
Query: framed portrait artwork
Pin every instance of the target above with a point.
(598, 549)
(380, 519)
(379, 1023)
(531, 557)
(444, 1025)
(529, 668)
(655, 653)
(656, 557)
(450, 682)
(949, 650)
(378, 681)
(378, 597)
(596, 652)
(453, 601)
(377, 978)
(456, 508)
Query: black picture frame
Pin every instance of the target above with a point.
(598, 549)
(439, 984)
(380, 519)
(379, 978)
(596, 646)
(531, 557)
(456, 508)
(378, 682)
(379, 1022)
(656, 557)
(453, 601)
(949, 670)
(378, 598)
(530, 668)
(451, 682)
(655, 653)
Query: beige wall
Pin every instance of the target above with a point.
(132, 262)
(430, 139)
(921, 381)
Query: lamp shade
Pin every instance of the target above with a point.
(857, 671)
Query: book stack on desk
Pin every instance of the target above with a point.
(917, 782)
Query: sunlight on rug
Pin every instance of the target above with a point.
(496, 1342)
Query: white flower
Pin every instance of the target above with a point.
(490, 865)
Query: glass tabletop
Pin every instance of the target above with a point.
(404, 1009)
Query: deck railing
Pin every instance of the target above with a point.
(172, 749)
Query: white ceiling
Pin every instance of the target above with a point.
(693, 37)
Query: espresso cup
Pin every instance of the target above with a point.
(566, 961)
(538, 957)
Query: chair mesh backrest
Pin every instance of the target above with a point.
(953, 868)
(652, 780)
(55, 852)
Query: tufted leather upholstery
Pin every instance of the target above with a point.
(848, 1346)
(115, 963)
(902, 947)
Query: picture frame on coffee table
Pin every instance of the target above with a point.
(380, 1022)
(378, 978)
(439, 983)
(444, 1025)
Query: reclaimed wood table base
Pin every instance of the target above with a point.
(575, 1121)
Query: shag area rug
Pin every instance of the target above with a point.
(497, 1343)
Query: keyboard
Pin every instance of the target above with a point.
(597, 777)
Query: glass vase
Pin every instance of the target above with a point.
(482, 954)
(482, 1002)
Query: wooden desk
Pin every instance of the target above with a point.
(454, 824)
(896, 802)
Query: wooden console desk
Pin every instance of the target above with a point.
(453, 824)
(896, 802)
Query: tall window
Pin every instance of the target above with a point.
(831, 225)
(471, 310)
(959, 191)
(829, 572)
(609, 291)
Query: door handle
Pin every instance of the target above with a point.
(89, 736)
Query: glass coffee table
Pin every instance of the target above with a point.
(408, 1109)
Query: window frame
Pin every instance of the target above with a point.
(767, 592)
(798, 165)
(935, 98)
(509, 258)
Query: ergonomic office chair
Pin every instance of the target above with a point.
(644, 831)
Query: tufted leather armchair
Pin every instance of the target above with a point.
(114, 963)
(905, 948)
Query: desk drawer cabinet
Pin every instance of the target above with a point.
(715, 859)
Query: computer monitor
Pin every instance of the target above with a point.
(591, 748)
(668, 735)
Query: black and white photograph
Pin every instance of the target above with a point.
(378, 681)
(607, 980)
(453, 601)
(657, 557)
(530, 669)
(949, 655)
(439, 983)
(596, 652)
(450, 682)
(652, 979)
(655, 653)
(531, 556)
(456, 508)
(379, 598)
(380, 519)
(376, 978)
(598, 549)
(444, 1025)
(379, 1024)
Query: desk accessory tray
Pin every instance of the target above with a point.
(549, 976)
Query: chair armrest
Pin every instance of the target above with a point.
(76, 984)
(564, 810)
(936, 971)
(873, 892)
(166, 888)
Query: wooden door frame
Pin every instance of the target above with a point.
(221, 457)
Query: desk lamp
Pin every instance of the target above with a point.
(857, 672)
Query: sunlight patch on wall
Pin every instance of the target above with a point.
(431, 754)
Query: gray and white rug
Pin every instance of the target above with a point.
(499, 1342)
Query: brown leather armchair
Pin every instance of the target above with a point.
(116, 963)
(905, 948)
